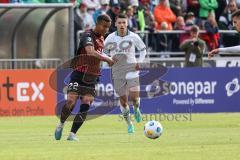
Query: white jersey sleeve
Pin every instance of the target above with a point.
(235, 49)
(141, 47)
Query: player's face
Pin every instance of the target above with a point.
(103, 27)
(236, 23)
(121, 24)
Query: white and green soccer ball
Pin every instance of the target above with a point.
(153, 129)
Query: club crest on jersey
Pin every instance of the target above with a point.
(89, 39)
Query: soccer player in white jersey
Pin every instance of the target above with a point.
(121, 45)
(235, 49)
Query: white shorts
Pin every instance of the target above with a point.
(123, 86)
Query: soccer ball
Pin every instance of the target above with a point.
(153, 129)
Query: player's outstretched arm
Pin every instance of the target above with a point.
(234, 49)
(212, 53)
(91, 51)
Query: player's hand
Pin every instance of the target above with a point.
(137, 67)
(110, 61)
(212, 53)
(114, 59)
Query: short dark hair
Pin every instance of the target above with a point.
(103, 17)
(236, 13)
(194, 28)
(121, 15)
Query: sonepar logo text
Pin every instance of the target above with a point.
(193, 93)
(193, 89)
(180, 93)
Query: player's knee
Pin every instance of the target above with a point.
(71, 100)
(135, 100)
(72, 97)
(70, 103)
(87, 99)
(124, 101)
(124, 104)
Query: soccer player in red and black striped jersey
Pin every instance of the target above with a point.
(86, 67)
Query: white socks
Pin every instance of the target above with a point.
(136, 106)
(71, 134)
(126, 114)
(60, 125)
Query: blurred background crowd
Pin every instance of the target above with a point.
(159, 15)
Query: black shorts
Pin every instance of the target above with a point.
(82, 83)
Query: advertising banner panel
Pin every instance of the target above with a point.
(26, 93)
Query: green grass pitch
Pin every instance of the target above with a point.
(206, 137)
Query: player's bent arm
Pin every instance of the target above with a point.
(90, 50)
(141, 46)
(142, 55)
